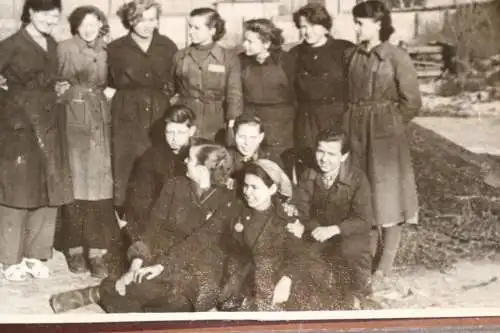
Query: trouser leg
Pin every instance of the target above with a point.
(12, 229)
(39, 234)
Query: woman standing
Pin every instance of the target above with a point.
(140, 69)
(383, 97)
(268, 75)
(207, 77)
(88, 222)
(320, 82)
(35, 176)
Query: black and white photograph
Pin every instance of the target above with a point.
(249, 159)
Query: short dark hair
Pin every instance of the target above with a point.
(377, 11)
(248, 118)
(180, 114)
(214, 20)
(78, 15)
(334, 135)
(131, 12)
(267, 31)
(314, 13)
(38, 6)
(256, 170)
(217, 160)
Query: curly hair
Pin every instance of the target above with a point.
(37, 6)
(214, 20)
(377, 11)
(78, 15)
(130, 13)
(217, 160)
(314, 13)
(267, 31)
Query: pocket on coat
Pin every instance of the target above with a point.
(76, 113)
(214, 80)
(387, 123)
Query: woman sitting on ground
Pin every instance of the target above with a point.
(176, 265)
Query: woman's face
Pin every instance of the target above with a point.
(178, 135)
(195, 171)
(257, 194)
(198, 30)
(253, 44)
(311, 33)
(89, 28)
(366, 29)
(45, 20)
(147, 24)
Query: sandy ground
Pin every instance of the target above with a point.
(467, 285)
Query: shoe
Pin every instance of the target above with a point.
(98, 267)
(16, 273)
(76, 263)
(74, 299)
(36, 268)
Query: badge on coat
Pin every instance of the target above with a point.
(216, 68)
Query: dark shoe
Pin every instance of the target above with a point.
(74, 299)
(77, 263)
(98, 267)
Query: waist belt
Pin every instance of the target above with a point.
(322, 100)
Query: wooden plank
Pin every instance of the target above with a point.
(428, 73)
(424, 49)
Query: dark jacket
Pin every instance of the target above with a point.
(183, 235)
(258, 245)
(151, 170)
(144, 86)
(384, 95)
(34, 163)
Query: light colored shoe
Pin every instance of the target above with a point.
(36, 268)
(16, 272)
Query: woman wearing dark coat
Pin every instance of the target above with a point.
(140, 69)
(176, 265)
(320, 81)
(383, 96)
(207, 77)
(268, 75)
(269, 266)
(35, 176)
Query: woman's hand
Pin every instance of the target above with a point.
(61, 87)
(296, 228)
(122, 283)
(3, 82)
(290, 210)
(282, 290)
(148, 272)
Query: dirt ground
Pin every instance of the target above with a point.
(467, 285)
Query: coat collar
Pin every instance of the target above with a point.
(381, 50)
(99, 45)
(344, 176)
(156, 41)
(216, 52)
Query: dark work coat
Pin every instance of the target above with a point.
(151, 170)
(183, 235)
(320, 87)
(144, 87)
(258, 243)
(384, 96)
(346, 204)
(211, 87)
(268, 91)
(34, 164)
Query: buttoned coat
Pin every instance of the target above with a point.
(34, 166)
(88, 117)
(384, 96)
(144, 85)
(211, 88)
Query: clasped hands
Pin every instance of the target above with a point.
(321, 234)
(137, 276)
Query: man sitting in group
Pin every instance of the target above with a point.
(171, 138)
(334, 204)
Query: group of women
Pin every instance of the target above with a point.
(77, 115)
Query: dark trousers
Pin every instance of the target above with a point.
(89, 224)
(148, 296)
(356, 250)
